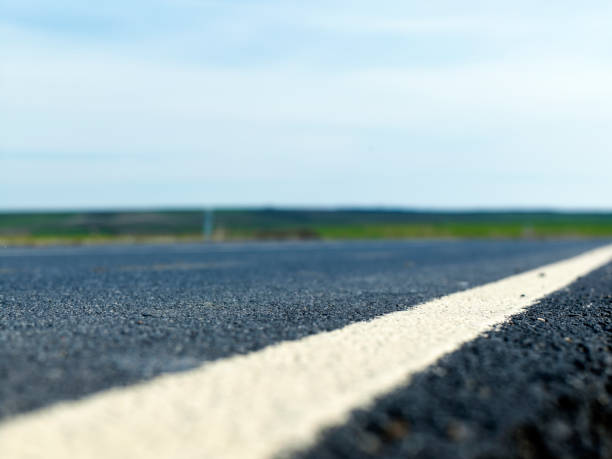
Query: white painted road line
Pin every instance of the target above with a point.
(279, 398)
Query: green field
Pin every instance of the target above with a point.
(260, 224)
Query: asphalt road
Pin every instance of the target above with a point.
(74, 321)
(539, 386)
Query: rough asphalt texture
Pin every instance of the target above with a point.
(539, 386)
(74, 321)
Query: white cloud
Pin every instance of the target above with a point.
(82, 114)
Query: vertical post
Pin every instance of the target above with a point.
(208, 224)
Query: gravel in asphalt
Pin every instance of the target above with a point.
(74, 321)
(538, 386)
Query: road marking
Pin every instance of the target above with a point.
(271, 401)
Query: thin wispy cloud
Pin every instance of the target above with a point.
(366, 104)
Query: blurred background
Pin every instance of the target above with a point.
(174, 120)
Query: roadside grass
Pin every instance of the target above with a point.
(94, 239)
(466, 230)
(84, 228)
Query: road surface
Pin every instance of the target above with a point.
(83, 330)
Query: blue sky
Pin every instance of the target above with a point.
(419, 104)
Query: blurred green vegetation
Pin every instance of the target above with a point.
(246, 224)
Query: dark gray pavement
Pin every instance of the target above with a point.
(540, 386)
(74, 321)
